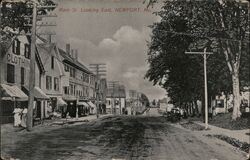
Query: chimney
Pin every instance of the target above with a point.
(76, 55)
(68, 48)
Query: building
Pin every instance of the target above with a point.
(116, 100)
(102, 95)
(79, 93)
(137, 102)
(51, 76)
(15, 71)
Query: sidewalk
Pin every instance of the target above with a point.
(8, 128)
(237, 134)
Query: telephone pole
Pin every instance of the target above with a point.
(100, 70)
(34, 24)
(32, 69)
(204, 53)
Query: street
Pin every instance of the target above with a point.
(118, 137)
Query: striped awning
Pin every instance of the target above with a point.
(13, 93)
(91, 104)
(79, 103)
(38, 93)
(61, 102)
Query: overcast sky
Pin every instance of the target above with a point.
(115, 38)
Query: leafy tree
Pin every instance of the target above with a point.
(222, 25)
(15, 15)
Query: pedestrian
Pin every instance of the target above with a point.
(17, 117)
(24, 118)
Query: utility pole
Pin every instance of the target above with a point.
(112, 85)
(32, 70)
(204, 53)
(32, 58)
(100, 70)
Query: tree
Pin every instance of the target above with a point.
(16, 16)
(222, 24)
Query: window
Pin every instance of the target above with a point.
(48, 82)
(56, 84)
(27, 51)
(71, 89)
(66, 90)
(22, 75)
(66, 67)
(10, 73)
(72, 72)
(74, 90)
(52, 62)
(16, 47)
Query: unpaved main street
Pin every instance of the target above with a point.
(124, 137)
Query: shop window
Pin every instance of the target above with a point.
(48, 82)
(22, 75)
(10, 73)
(56, 84)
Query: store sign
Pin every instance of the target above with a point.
(16, 59)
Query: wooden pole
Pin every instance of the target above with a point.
(32, 70)
(205, 83)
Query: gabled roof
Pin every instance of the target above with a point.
(72, 62)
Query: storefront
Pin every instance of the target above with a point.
(11, 97)
(83, 108)
(92, 107)
(40, 102)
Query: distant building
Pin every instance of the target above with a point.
(116, 100)
(136, 102)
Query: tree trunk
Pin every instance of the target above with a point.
(236, 93)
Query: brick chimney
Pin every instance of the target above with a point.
(68, 48)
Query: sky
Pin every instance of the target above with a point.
(114, 32)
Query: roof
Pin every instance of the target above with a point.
(72, 62)
(117, 92)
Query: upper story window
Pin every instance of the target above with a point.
(66, 68)
(48, 82)
(22, 75)
(52, 62)
(56, 84)
(16, 47)
(10, 73)
(66, 90)
(27, 51)
(72, 72)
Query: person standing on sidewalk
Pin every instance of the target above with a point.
(24, 117)
(17, 117)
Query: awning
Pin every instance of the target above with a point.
(61, 102)
(38, 93)
(82, 104)
(13, 93)
(92, 104)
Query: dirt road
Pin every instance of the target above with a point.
(124, 137)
